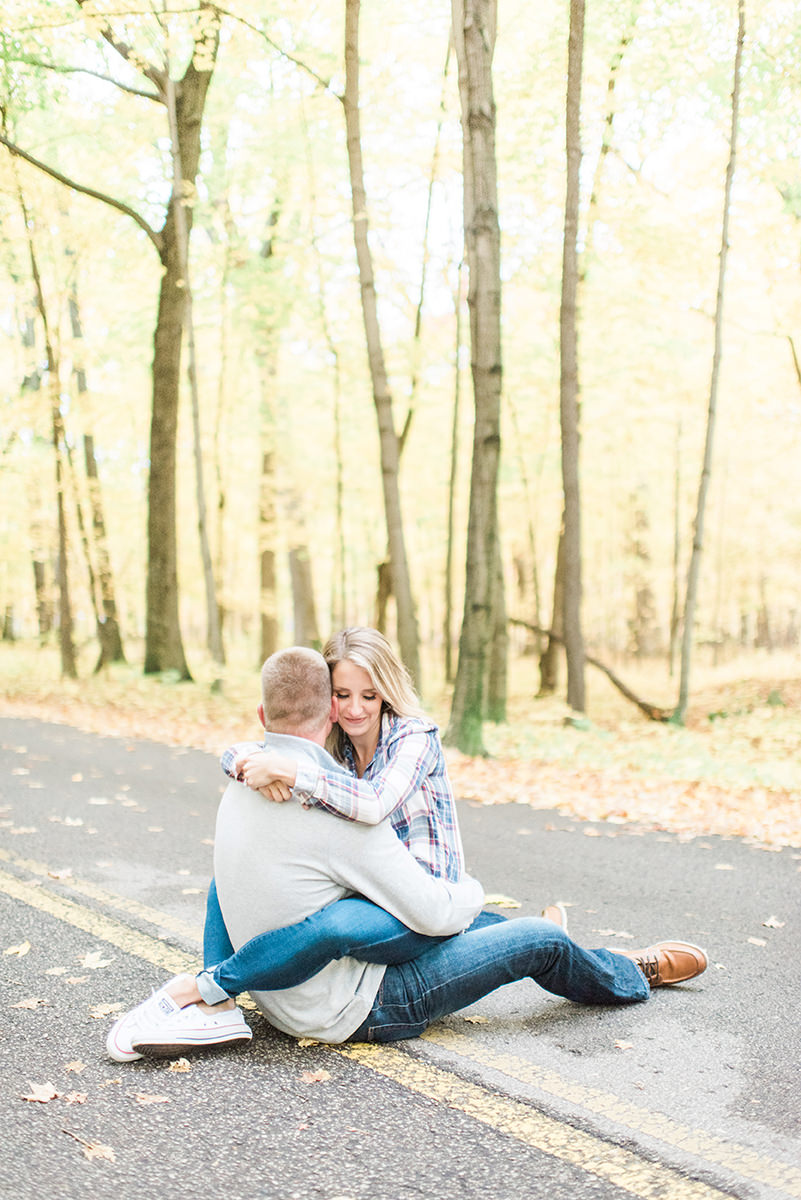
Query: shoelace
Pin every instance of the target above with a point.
(649, 967)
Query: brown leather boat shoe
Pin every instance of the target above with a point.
(668, 962)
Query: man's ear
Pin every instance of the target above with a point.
(334, 714)
(260, 711)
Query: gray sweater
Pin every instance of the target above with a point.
(276, 864)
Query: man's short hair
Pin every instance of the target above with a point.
(296, 690)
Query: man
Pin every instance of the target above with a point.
(276, 864)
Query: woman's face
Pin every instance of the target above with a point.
(358, 703)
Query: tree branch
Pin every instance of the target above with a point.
(134, 59)
(653, 711)
(325, 84)
(132, 91)
(154, 236)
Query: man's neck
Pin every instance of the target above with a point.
(317, 736)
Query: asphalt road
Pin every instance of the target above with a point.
(105, 854)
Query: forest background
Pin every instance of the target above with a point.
(291, 456)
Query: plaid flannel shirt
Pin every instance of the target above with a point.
(406, 781)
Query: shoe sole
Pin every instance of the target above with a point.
(562, 922)
(170, 1049)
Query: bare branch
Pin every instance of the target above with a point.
(154, 236)
(325, 84)
(134, 59)
(132, 91)
(654, 712)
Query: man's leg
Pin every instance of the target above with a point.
(465, 968)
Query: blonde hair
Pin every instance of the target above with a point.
(296, 690)
(369, 649)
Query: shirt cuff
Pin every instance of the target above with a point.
(307, 779)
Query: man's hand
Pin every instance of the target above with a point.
(268, 773)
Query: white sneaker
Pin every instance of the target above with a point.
(160, 1036)
(156, 1007)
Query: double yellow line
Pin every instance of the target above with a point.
(623, 1168)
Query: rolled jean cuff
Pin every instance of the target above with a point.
(211, 992)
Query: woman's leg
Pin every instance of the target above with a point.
(284, 957)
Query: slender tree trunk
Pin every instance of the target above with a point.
(569, 385)
(184, 190)
(306, 629)
(693, 574)
(474, 27)
(102, 581)
(447, 628)
(408, 636)
(675, 610)
(69, 664)
(551, 655)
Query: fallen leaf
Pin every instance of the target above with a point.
(77, 1066)
(65, 873)
(76, 1097)
(42, 1093)
(76, 778)
(146, 1098)
(30, 1002)
(75, 822)
(99, 800)
(308, 1042)
(618, 933)
(757, 942)
(770, 923)
(180, 1065)
(77, 979)
(620, 1045)
(155, 829)
(477, 1020)
(724, 867)
(104, 1010)
(20, 950)
(315, 1076)
(191, 891)
(94, 960)
(502, 901)
(56, 971)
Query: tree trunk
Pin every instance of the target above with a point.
(552, 654)
(163, 643)
(69, 664)
(214, 642)
(408, 636)
(102, 581)
(569, 385)
(268, 606)
(447, 626)
(307, 632)
(693, 574)
(474, 26)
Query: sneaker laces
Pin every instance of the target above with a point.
(649, 966)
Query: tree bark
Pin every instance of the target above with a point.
(408, 635)
(569, 384)
(474, 27)
(693, 574)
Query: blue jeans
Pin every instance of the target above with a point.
(284, 957)
(465, 968)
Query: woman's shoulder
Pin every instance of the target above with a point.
(397, 727)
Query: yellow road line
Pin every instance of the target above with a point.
(623, 1168)
(122, 903)
(739, 1159)
(122, 936)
